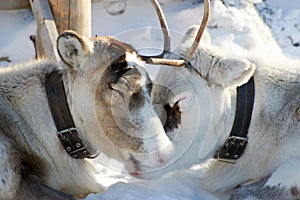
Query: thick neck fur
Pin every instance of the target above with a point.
(273, 135)
(26, 119)
(273, 131)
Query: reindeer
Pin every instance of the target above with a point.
(232, 120)
(56, 119)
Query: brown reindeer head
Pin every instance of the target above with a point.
(109, 97)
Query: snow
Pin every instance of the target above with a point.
(173, 188)
(266, 28)
(16, 27)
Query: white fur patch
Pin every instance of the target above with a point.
(132, 60)
(287, 175)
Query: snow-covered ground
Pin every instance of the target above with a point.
(266, 28)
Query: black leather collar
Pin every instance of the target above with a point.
(66, 129)
(237, 141)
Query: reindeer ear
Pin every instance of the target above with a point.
(215, 69)
(188, 39)
(73, 48)
(231, 72)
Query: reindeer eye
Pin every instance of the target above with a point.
(120, 67)
(110, 86)
(113, 87)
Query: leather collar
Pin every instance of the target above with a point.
(237, 141)
(67, 132)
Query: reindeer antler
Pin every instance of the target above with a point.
(165, 30)
(200, 31)
(164, 26)
(157, 60)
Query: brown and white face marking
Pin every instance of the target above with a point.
(110, 98)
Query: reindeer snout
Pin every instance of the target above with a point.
(154, 162)
(161, 158)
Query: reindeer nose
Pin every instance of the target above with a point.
(137, 174)
(161, 158)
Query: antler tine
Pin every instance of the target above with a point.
(180, 63)
(166, 61)
(163, 25)
(200, 31)
(159, 60)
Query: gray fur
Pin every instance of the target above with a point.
(22, 160)
(34, 164)
(209, 85)
(258, 191)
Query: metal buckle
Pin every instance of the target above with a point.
(239, 139)
(232, 149)
(67, 130)
(73, 144)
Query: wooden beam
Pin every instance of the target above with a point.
(5, 59)
(72, 15)
(46, 32)
(68, 14)
(60, 10)
(81, 17)
(14, 4)
(20, 4)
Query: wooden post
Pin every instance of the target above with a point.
(14, 4)
(46, 31)
(72, 15)
(68, 14)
